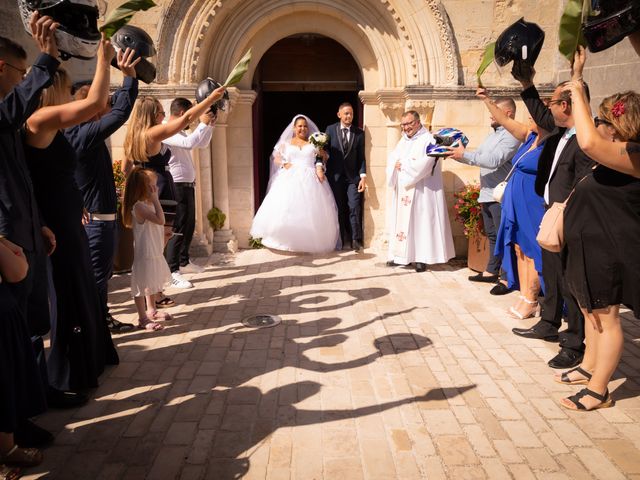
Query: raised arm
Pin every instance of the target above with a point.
(199, 138)
(159, 133)
(515, 128)
(56, 117)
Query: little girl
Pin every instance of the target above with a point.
(141, 211)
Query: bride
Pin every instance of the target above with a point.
(299, 213)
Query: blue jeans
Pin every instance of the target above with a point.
(102, 247)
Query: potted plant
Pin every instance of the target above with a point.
(123, 257)
(216, 218)
(469, 214)
(223, 239)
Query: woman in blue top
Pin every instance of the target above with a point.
(522, 211)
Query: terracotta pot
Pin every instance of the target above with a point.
(478, 253)
(123, 258)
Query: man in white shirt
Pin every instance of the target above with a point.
(184, 177)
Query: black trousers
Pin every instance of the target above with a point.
(556, 297)
(491, 214)
(349, 203)
(184, 224)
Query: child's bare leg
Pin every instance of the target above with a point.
(143, 320)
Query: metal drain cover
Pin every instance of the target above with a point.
(262, 320)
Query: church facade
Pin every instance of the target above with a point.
(384, 56)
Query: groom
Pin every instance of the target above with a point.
(347, 173)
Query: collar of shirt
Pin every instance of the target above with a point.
(342, 127)
(569, 133)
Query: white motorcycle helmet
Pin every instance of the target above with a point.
(78, 35)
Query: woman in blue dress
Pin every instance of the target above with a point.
(522, 211)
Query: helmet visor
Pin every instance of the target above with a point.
(41, 5)
(602, 33)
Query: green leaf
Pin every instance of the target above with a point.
(570, 33)
(239, 70)
(487, 58)
(120, 16)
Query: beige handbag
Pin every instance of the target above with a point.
(498, 190)
(551, 234)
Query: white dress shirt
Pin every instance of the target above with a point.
(181, 144)
(561, 144)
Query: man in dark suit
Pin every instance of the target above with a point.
(561, 166)
(347, 173)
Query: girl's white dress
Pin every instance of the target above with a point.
(299, 213)
(150, 271)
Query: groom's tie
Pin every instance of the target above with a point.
(345, 140)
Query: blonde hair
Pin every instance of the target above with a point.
(622, 110)
(59, 91)
(136, 188)
(143, 117)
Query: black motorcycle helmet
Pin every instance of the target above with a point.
(611, 21)
(78, 35)
(204, 89)
(520, 42)
(137, 39)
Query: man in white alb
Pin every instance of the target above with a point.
(184, 177)
(419, 226)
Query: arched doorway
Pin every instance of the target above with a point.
(304, 73)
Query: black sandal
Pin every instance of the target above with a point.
(565, 380)
(605, 400)
(165, 302)
(8, 473)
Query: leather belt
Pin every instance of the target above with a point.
(103, 217)
(186, 184)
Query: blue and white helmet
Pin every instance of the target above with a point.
(443, 138)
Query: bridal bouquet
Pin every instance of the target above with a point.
(319, 140)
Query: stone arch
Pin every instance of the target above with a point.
(395, 43)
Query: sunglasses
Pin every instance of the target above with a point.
(601, 121)
(555, 102)
(408, 123)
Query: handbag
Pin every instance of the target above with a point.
(498, 190)
(551, 233)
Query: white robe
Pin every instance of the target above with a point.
(429, 238)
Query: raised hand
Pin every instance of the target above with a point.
(482, 93)
(524, 73)
(579, 59)
(208, 118)
(127, 62)
(106, 52)
(43, 30)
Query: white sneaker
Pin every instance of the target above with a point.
(191, 268)
(178, 281)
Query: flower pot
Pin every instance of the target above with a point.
(123, 258)
(478, 253)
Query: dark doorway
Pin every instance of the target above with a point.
(307, 74)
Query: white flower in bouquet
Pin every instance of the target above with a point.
(319, 140)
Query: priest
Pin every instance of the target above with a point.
(419, 229)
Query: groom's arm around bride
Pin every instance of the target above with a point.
(347, 172)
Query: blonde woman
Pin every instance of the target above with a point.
(81, 343)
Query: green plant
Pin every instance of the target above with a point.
(255, 242)
(468, 210)
(119, 179)
(216, 218)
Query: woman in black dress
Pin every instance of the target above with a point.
(81, 344)
(602, 230)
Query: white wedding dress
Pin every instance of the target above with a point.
(299, 213)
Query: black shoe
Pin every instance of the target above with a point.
(59, 399)
(500, 289)
(118, 327)
(391, 263)
(537, 332)
(566, 359)
(356, 246)
(482, 278)
(30, 435)
(420, 267)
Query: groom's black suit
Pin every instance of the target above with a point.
(343, 172)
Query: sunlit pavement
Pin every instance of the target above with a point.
(374, 372)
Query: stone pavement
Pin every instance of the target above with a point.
(374, 373)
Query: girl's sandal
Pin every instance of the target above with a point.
(161, 316)
(146, 324)
(566, 380)
(22, 457)
(8, 473)
(605, 400)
